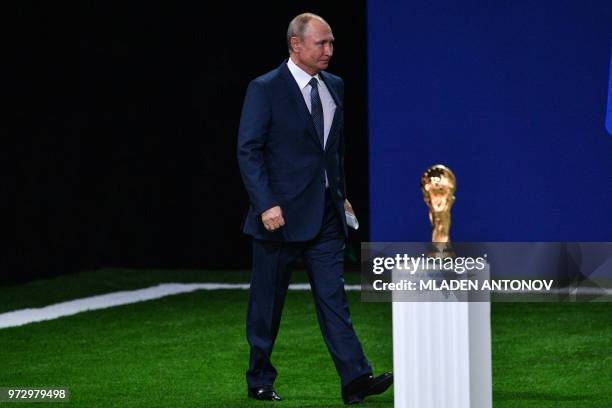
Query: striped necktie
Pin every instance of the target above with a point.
(316, 109)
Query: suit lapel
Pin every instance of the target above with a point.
(297, 100)
(337, 114)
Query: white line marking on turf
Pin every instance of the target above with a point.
(25, 316)
(72, 307)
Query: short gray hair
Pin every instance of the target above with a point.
(297, 26)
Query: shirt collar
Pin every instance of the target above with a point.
(301, 77)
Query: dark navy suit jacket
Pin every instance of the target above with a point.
(282, 160)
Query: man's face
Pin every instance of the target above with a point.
(314, 51)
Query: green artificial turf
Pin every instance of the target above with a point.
(552, 354)
(44, 292)
(190, 350)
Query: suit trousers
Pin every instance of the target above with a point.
(323, 258)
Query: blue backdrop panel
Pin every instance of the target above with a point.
(609, 115)
(511, 95)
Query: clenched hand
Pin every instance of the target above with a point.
(273, 218)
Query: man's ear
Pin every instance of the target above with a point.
(295, 44)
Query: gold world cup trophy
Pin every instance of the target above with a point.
(438, 185)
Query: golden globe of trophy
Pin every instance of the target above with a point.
(438, 185)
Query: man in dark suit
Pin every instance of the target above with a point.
(290, 151)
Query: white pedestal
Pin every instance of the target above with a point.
(442, 354)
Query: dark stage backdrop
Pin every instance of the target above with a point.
(127, 119)
(512, 96)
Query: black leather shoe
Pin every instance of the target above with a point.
(361, 387)
(264, 394)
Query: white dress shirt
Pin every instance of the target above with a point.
(329, 106)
